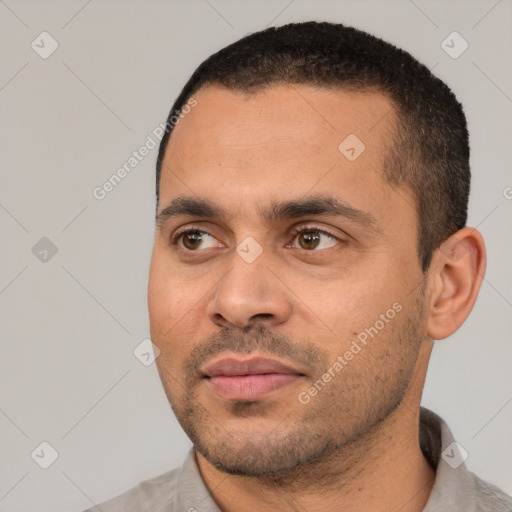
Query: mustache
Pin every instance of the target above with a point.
(259, 340)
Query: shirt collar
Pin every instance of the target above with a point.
(454, 486)
(192, 495)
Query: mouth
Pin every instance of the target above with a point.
(249, 379)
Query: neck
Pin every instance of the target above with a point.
(384, 470)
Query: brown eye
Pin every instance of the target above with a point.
(192, 240)
(315, 239)
(308, 240)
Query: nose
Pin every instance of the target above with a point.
(250, 294)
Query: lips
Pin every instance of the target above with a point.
(249, 379)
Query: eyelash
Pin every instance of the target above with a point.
(295, 232)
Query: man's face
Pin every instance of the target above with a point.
(335, 310)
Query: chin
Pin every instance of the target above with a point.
(263, 455)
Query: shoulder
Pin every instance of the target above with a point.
(455, 487)
(490, 498)
(155, 494)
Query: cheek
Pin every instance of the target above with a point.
(347, 307)
(167, 331)
(174, 306)
(167, 293)
(160, 300)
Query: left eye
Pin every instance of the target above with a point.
(311, 239)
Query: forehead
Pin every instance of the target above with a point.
(280, 143)
(284, 128)
(231, 124)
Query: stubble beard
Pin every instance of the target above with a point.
(329, 431)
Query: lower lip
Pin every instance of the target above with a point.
(251, 387)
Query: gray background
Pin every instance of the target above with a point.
(70, 323)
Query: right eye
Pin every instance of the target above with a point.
(191, 239)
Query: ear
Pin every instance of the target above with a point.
(454, 279)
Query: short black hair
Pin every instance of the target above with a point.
(429, 150)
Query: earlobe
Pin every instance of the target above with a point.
(455, 277)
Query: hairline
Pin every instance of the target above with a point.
(396, 111)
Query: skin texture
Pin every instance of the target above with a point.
(303, 301)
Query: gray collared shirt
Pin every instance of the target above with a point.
(455, 488)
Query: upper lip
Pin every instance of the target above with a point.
(230, 367)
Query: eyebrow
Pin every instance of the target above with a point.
(274, 212)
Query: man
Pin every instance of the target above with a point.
(312, 193)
